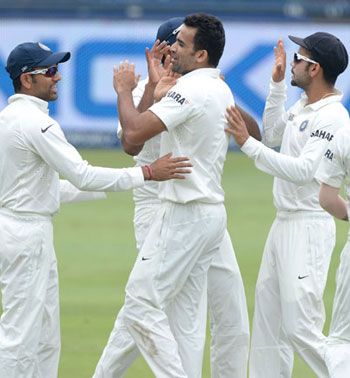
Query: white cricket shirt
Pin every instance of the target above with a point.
(34, 152)
(193, 112)
(303, 132)
(335, 165)
(147, 193)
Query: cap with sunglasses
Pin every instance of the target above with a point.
(168, 30)
(325, 49)
(26, 56)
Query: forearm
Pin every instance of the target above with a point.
(274, 117)
(69, 193)
(332, 202)
(130, 149)
(128, 116)
(299, 170)
(147, 99)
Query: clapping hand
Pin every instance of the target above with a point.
(124, 78)
(157, 67)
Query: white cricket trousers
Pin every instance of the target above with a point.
(29, 324)
(229, 321)
(289, 312)
(338, 354)
(171, 266)
(228, 315)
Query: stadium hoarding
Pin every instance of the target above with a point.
(86, 108)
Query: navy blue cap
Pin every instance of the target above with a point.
(26, 56)
(326, 49)
(168, 30)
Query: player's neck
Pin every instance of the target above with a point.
(318, 93)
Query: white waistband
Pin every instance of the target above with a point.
(303, 215)
(25, 216)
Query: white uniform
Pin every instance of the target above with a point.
(335, 170)
(226, 297)
(289, 311)
(33, 152)
(171, 268)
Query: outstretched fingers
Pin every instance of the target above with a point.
(233, 116)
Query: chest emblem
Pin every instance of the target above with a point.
(303, 125)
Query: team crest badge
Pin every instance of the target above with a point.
(303, 125)
(291, 116)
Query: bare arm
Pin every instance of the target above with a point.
(251, 125)
(137, 127)
(130, 149)
(146, 101)
(332, 202)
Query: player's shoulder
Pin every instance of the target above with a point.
(343, 135)
(203, 83)
(334, 111)
(332, 117)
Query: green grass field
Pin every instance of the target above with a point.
(96, 249)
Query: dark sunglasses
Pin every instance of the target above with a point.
(298, 57)
(48, 72)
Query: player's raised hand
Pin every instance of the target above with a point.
(154, 59)
(167, 167)
(165, 83)
(124, 78)
(279, 68)
(237, 126)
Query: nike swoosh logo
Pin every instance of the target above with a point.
(145, 258)
(301, 277)
(46, 128)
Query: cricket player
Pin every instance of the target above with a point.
(289, 310)
(226, 298)
(333, 172)
(190, 223)
(33, 153)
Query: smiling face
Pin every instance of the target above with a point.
(184, 58)
(41, 85)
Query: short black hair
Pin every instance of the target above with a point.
(329, 76)
(17, 85)
(210, 35)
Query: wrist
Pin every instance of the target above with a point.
(151, 85)
(124, 91)
(147, 172)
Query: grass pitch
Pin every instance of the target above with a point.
(96, 249)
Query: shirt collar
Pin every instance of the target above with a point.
(337, 97)
(213, 72)
(39, 103)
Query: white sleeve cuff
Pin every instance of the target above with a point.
(251, 147)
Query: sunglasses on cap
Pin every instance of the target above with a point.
(298, 57)
(48, 72)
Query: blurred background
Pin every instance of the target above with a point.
(101, 33)
(94, 241)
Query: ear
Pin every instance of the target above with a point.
(315, 70)
(26, 81)
(202, 56)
